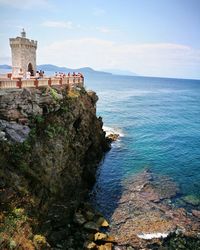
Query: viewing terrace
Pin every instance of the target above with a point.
(72, 81)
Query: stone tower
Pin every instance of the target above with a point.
(23, 55)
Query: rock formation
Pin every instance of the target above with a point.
(51, 142)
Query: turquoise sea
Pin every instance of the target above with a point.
(159, 123)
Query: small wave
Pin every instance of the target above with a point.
(110, 130)
(149, 236)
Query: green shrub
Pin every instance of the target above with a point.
(54, 94)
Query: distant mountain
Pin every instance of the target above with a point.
(50, 67)
(121, 72)
(5, 66)
(85, 70)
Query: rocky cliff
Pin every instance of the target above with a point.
(51, 142)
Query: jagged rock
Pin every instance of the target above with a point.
(102, 222)
(14, 131)
(40, 242)
(59, 246)
(57, 236)
(129, 248)
(93, 96)
(90, 236)
(107, 246)
(17, 133)
(2, 136)
(89, 245)
(113, 137)
(91, 226)
(110, 239)
(17, 104)
(100, 236)
(79, 218)
(3, 124)
(89, 215)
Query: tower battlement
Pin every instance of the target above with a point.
(23, 41)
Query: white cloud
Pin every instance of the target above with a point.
(25, 5)
(57, 24)
(156, 59)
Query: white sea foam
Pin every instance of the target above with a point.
(110, 130)
(149, 236)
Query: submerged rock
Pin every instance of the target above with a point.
(196, 213)
(143, 217)
(192, 199)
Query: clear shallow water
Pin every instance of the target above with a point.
(160, 122)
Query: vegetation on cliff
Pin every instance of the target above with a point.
(45, 175)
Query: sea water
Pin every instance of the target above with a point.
(158, 120)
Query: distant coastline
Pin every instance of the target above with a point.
(4, 68)
(53, 68)
(87, 71)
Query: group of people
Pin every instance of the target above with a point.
(40, 74)
(61, 75)
(29, 74)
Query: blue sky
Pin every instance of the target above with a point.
(149, 37)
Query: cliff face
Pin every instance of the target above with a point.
(51, 143)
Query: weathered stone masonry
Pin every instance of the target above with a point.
(23, 54)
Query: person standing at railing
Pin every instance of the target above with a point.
(41, 73)
(21, 74)
(37, 75)
(28, 75)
